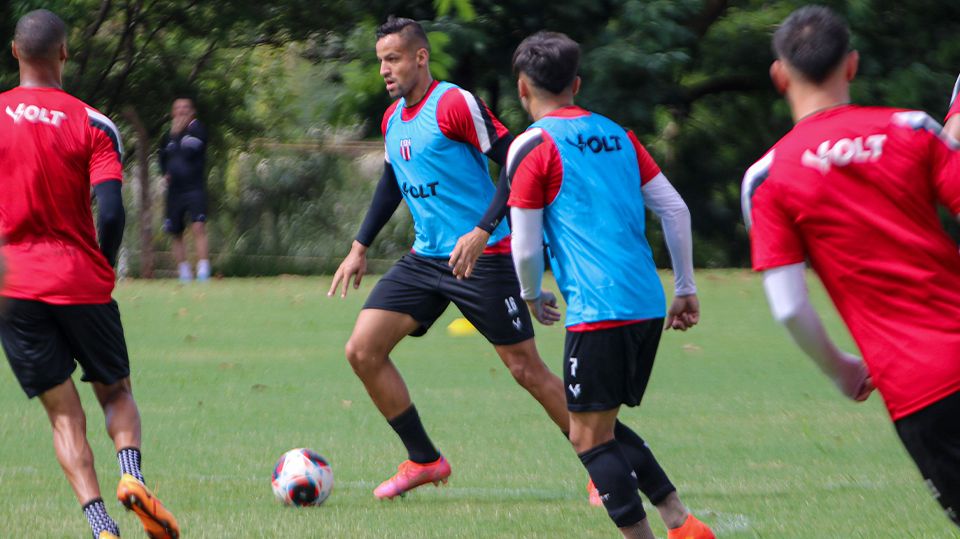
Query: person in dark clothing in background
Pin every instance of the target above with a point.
(183, 156)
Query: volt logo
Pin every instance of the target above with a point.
(844, 152)
(35, 114)
(596, 144)
(574, 390)
(406, 148)
(420, 191)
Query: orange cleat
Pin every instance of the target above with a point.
(107, 535)
(157, 521)
(593, 495)
(411, 475)
(691, 529)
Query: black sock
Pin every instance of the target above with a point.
(129, 459)
(651, 478)
(98, 518)
(615, 481)
(411, 432)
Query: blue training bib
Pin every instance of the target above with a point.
(596, 225)
(446, 183)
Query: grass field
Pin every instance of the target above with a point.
(231, 374)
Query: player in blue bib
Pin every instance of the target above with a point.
(585, 182)
(438, 138)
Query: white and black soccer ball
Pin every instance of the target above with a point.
(302, 477)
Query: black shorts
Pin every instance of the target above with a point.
(44, 342)
(932, 437)
(490, 299)
(180, 205)
(606, 368)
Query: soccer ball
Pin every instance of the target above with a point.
(302, 477)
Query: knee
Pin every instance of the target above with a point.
(362, 356)
(528, 371)
(521, 372)
(114, 393)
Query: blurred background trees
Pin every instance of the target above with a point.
(292, 97)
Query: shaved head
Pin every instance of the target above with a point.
(39, 35)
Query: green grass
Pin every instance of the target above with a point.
(230, 374)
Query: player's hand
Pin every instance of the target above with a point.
(853, 378)
(865, 390)
(354, 266)
(468, 249)
(544, 308)
(684, 313)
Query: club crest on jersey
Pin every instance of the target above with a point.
(405, 148)
(35, 114)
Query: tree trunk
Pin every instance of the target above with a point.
(142, 168)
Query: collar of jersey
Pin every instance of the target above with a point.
(570, 111)
(409, 113)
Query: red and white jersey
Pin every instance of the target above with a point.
(854, 190)
(53, 148)
(538, 171)
(462, 117)
(954, 102)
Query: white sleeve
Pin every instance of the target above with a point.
(660, 196)
(527, 247)
(786, 289)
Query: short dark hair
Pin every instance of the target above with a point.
(408, 28)
(813, 40)
(39, 34)
(550, 59)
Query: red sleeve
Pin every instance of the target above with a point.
(774, 239)
(537, 176)
(383, 128)
(954, 109)
(386, 117)
(105, 159)
(648, 167)
(464, 117)
(945, 172)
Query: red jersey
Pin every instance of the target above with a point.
(462, 117)
(954, 102)
(855, 191)
(53, 148)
